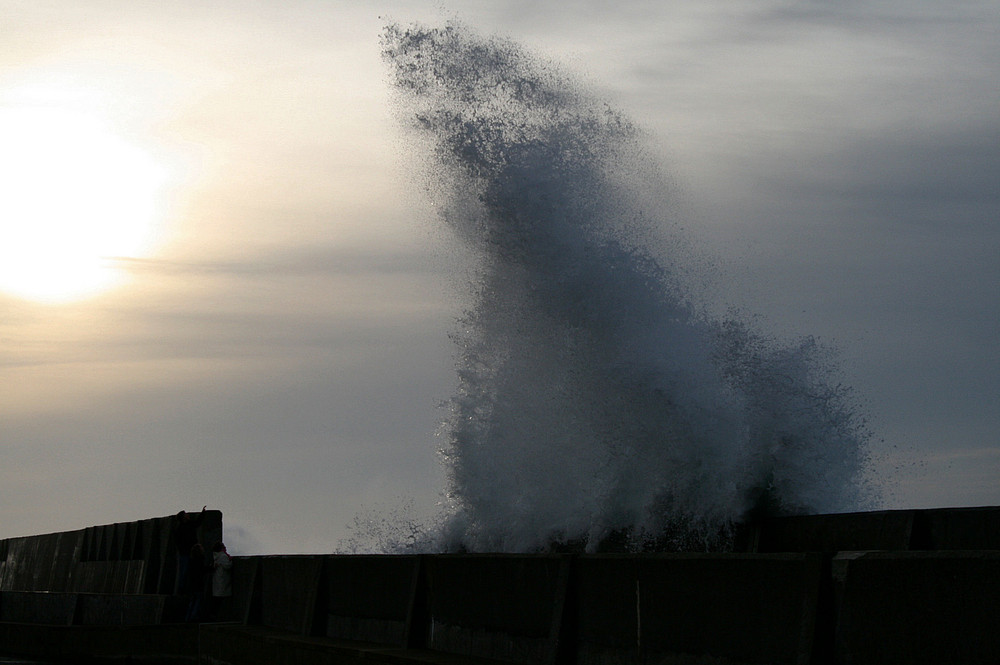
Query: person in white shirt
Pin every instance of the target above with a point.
(222, 576)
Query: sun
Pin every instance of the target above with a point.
(74, 197)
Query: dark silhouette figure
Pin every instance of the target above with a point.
(185, 537)
(196, 578)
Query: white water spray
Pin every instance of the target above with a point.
(592, 398)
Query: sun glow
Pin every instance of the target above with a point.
(74, 195)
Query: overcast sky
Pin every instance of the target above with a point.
(282, 350)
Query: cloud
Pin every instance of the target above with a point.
(295, 261)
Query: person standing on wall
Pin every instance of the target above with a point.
(222, 577)
(185, 537)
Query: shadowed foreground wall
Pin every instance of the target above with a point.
(840, 589)
(124, 558)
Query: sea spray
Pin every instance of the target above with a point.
(594, 400)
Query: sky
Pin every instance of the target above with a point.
(275, 344)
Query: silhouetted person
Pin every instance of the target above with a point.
(185, 537)
(196, 578)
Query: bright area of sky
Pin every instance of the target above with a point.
(266, 332)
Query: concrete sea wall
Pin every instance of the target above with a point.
(827, 589)
(122, 558)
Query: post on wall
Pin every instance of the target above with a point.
(417, 613)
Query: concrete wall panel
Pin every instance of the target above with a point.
(119, 610)
(521, 589)
(760, 609)
(918, 607)
(118, 577)
(39, 563)
(106, 540)
(495, 606)
(289, 586)
(605, 608)
(89, 577)
(368, 598)
(19, 557)
(144, 549)
(235, 645)
(245, 604)
(166, 578)
(132, 576)
(99, 644)
(650, 609)
(18, 572)
(67, 554)
(38, 607)
(128, 546)
(90, 547)
(108, 577)
(895, 530)
(960, 529)
(883, 530)
(118, 532)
